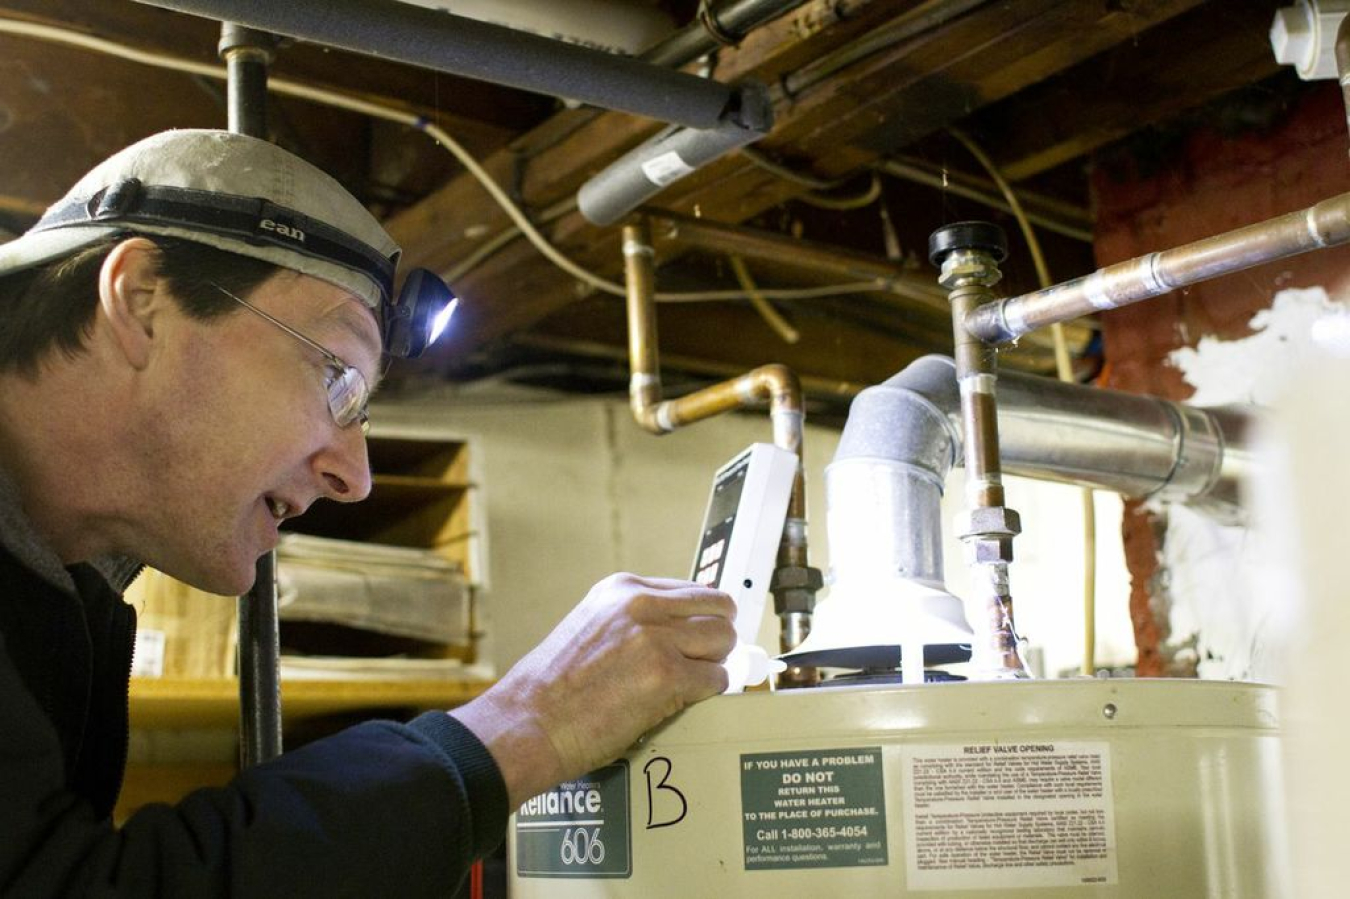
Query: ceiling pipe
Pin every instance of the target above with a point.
(1325, 225)
(770, 246)
(462, 46)
(728, 24)
(676, 153)
(781, 249)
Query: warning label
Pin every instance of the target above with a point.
(813, 809)
(1009, 815)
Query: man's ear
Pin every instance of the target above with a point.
(130, 297)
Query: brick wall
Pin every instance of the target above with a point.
(1209, 183)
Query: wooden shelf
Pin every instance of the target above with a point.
(186, 703)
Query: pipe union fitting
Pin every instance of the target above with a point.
(794, 588)
(968, 267)
(997, 522)
(985, 550)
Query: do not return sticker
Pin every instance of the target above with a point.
(823, 808)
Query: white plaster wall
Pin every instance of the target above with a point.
(572, 490)
(1217, 578)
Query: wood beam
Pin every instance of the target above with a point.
(842, 347)
(897, 93)
(1167, 71)
(89, 104)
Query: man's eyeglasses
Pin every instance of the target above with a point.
(348, 392)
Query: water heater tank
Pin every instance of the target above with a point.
(1002, 790)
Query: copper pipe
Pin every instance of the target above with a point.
(752, 243)
(968, 254)
(1325, 225)
(712, 368)
(774, 384)
(780, 249)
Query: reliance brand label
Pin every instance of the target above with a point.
(579, 829)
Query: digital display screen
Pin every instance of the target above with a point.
(721, 518)
(726, 497)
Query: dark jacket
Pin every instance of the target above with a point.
(381, 809)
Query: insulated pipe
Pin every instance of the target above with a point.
(795, 582)
(649, 168)
(1325, 225)
(482, 51)
(247, 54)
(904, 435)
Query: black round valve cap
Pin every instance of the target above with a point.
(967, 236)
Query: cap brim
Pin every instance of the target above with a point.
(35, 248)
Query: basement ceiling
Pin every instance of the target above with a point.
(881, 106)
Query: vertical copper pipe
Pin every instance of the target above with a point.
(968, 254)
(775, 384)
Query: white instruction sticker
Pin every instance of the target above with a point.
(1008, 815)
(666, 168)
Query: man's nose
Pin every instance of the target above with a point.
(344, 466)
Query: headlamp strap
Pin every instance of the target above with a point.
(250, 219)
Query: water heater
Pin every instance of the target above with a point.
(1113, 789)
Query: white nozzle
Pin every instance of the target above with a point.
(749, 665)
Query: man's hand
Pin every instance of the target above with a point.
(632, 653)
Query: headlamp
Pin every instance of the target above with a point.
(418, 316)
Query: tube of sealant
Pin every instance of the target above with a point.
(749, 665)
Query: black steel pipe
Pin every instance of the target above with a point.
(482, 51)
(734, 20)
(247, 54)
(260, 668)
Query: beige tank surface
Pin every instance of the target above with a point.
(1005, 790)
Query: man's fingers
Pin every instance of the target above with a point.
(705, 638)
(686, 592)
(691, 601)
(703, 679)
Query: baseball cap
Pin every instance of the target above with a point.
(226, 190)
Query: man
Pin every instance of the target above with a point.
(187, 342)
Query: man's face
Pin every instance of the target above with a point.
(240, 433)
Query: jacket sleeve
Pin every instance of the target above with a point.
(380, 809)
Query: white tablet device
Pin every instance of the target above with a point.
(742, 528)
